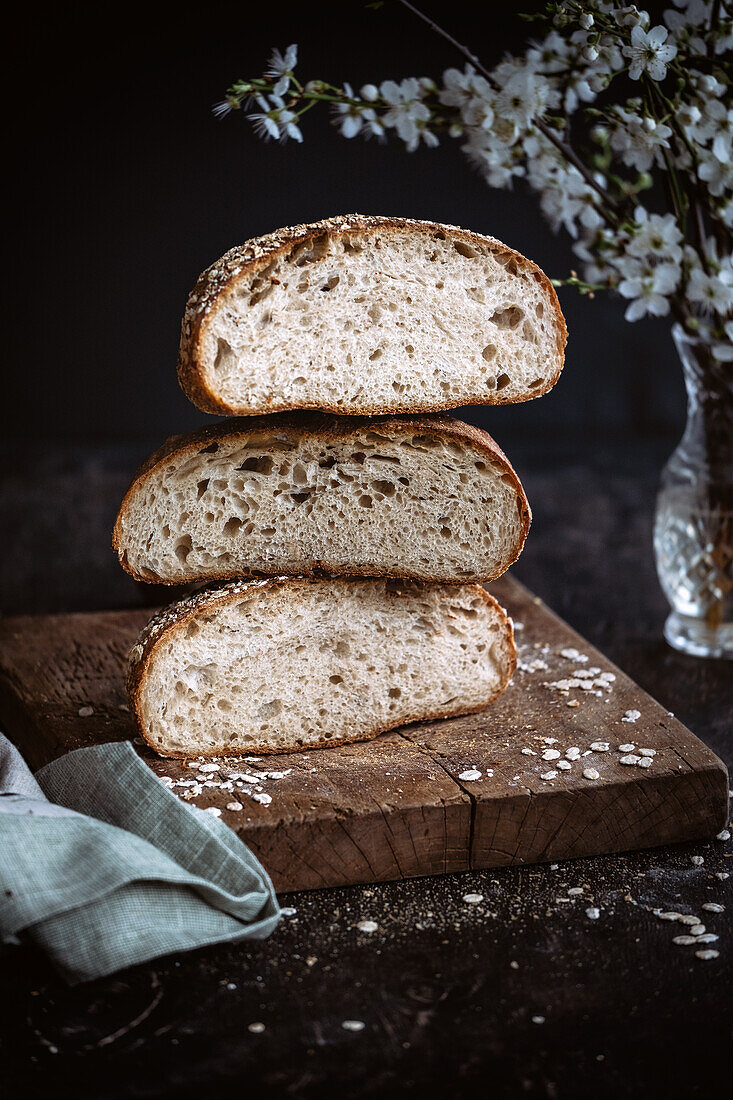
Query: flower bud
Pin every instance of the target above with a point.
(369, 92)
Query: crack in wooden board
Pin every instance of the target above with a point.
(397, 807)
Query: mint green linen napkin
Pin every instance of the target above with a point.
(103, 867)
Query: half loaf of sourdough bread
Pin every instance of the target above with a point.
(285, 664)
(362, 314)
(420, 497)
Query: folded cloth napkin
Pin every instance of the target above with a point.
(103, 867)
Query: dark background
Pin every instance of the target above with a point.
(124, 187)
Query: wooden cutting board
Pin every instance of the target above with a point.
(411, 802)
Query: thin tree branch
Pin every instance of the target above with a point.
(714, 19)
(611, 214)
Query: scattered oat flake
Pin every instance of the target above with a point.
(572, 703)
(473, 899)
(669, 916)
(592, 913)
(707, 954)
(261, 797)
(209, 767)
(631, 716)
(688, 919)
(645, 762)
(549, 775)
(528, 752)
(684, 941)
(537, 665)
(723, 835)
(572, 753)
(289, 911)
(572, 654)
(470, 774)
(278, 775)
(707, 937)
(550, 754)
(367, 926)
(575, 890)
(600, 746)
(714, 907)
(564, 765)
(697, 860)
(234, 806)
(697, 929)
(626, 748)
(86, 712)
(353, 1025)
(630, 759)
(256, 1028)
(550, 740)
(647, 752)
(311, 960)
(213, 810)
(538, 1019)
(722, 875)
(591, 773)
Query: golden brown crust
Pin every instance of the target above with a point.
(246, 260)
(291, 427)
(177, 615)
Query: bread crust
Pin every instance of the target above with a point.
(293, 426)
(246, 260)
(177, 615)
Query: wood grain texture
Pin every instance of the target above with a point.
(397, 807)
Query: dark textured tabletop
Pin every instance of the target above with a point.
(519, 994)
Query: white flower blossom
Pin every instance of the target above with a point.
(354, 118)
(224, 106)
(566, 199)
(649, 52)
(524, 94)
(274, 119)
(696, 13)
(597, 252)
(648, 286)
(717, 175)
(553, 55)
(639, 140)
(711, 292)
(500, 161)
(407, 114)
(471, 94)
(282, 64)
(280, 68)
(630, 16)
(657, 236)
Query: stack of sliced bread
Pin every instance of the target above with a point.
(342, 549)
